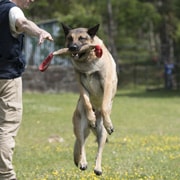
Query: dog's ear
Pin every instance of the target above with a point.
(92, 31)
(66, 29)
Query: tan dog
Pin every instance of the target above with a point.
(97, 82)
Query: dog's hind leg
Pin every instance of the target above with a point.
(76, 153)
(101, 135)
(80, 155)
(81, 132)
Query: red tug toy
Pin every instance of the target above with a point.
(98, 51)
(44, 65)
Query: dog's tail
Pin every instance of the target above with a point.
(76, 153)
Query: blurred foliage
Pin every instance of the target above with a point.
(140, 27)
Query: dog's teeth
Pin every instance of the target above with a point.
(75, 55)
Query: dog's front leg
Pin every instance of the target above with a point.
(89, 110)
(87, 103)
(106, 107)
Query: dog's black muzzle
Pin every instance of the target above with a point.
(74, 48)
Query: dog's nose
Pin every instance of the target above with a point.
(74, 47)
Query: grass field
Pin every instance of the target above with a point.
(144, 146)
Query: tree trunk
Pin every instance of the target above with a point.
(111, 34)
(166, 41)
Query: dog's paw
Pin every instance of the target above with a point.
(98, 172)
(109, 129)
(83, 167)
(92, 124)
(92, 120)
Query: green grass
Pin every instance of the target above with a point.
(144, 146)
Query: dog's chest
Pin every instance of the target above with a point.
(92, 83)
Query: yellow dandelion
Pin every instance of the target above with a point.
(55, 173)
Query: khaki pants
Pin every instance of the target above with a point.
(10, 118)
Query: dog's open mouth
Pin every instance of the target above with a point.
(78, 55)
(81, 53)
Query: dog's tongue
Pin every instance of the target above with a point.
(98, 51)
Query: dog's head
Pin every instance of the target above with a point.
(77, 38)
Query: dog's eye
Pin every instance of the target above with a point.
(82, 38)
(69, 38)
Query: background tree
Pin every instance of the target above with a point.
(135, 31)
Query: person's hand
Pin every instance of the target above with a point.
(44, 35)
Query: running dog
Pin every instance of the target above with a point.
(97, 79)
